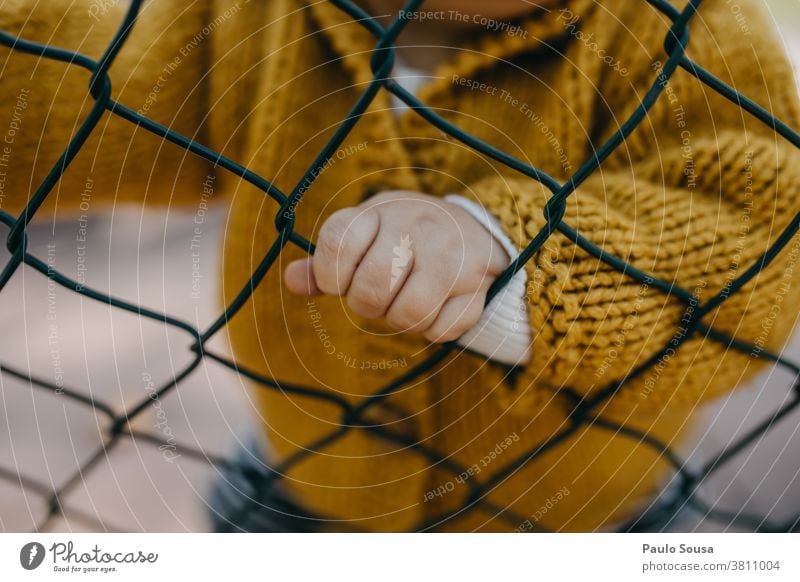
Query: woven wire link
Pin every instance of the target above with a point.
(584, 409)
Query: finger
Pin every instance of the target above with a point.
(381, 274)
(457, 316)
(417, 304)
(299, 278)
(343, 241)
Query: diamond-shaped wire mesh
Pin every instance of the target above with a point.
(584, 409)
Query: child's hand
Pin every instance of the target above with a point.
(422, 263)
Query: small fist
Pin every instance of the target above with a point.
(423, 264)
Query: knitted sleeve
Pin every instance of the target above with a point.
(158, 74)
(694, 197)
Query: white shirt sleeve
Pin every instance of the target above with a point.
(503, 333)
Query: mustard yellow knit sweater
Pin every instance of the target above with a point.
(694, 196)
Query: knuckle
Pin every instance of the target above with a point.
(408, 317)
(454, 257)
(427, 218)
(327, 283)
(449, 261)
(453, 332)
(449, 332)
(326, 275)
(437, 336)
(367, 301)
(456, 323)
(474, 311)
(333, 233)
(388, 195)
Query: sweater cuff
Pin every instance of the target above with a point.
(503, 332)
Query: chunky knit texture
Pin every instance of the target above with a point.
(695, 195)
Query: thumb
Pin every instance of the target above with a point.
(299, 278)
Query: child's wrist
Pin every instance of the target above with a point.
(503, 332)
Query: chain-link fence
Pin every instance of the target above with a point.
(584, 409)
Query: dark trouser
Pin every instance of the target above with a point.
(249, 497)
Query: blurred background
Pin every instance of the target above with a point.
(148, 258)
